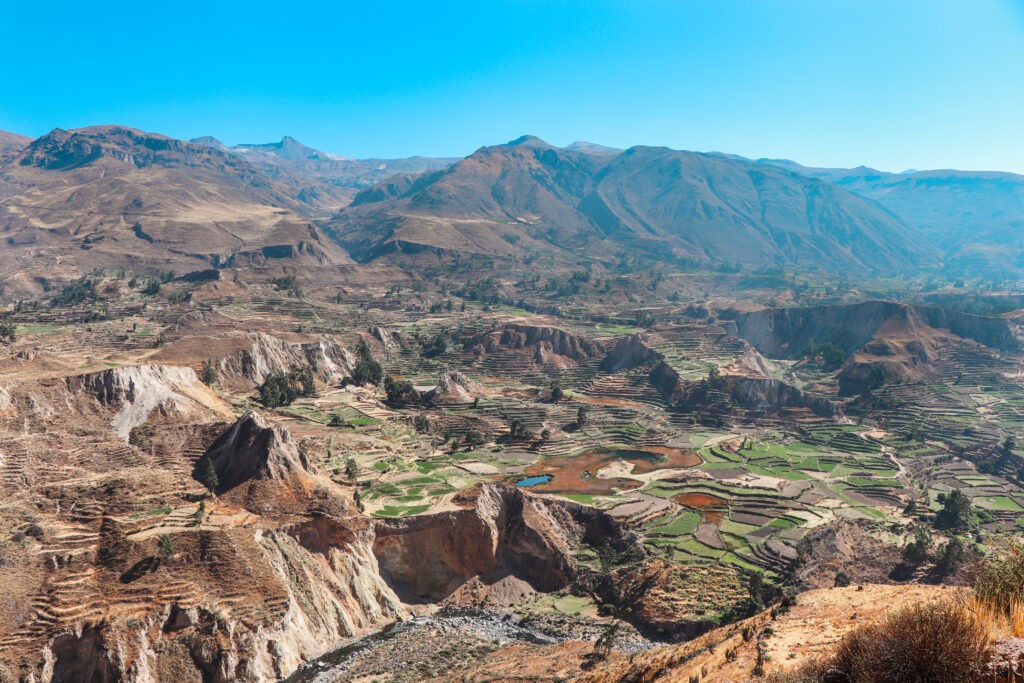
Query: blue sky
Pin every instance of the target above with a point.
(893, 84)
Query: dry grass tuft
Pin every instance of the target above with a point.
(998, 590)
(944, 643)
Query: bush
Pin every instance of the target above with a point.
(940, 642)
(75, 293)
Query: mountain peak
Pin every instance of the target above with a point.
(209, 141)
(528, 141)
(288, 149)
(591, 148)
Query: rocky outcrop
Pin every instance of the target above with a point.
(504, 532)
(786, 332)
(630, 352)
(291, 594)
(546, 345)
(140, 391)
(772, 395)
(453, 387)
(252, 450)
(753, 391)
(266, 355)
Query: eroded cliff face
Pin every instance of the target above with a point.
(771, 395)
(630, 352)
(137, 392)
(750, 391)
(542, 345)
(265, 355)
(299, 601)
(251, 449)
(786, 332)
(502, 532)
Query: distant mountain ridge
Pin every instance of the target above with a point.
(976, 217)
(527, 196)
(339, 178)
(119, 197)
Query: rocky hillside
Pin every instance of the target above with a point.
(115, 197)
(528, 197)
(973, 215)
(746, 389)
(906, 342)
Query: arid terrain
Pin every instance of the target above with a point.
(535, 415)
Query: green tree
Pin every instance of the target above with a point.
(955, 513)
(7, 331)
(210, 479)
(305, 379)
(166, 546)
(832, 356)
(208, 375)
(556, 392)
(400, 391)
(582, 415)
(351, 469)
(367, 370)
(954, 554)
(605, 643)
(517, 430)
(916, 552)
(474, 438)
(878, 377)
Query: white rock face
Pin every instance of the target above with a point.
(140, 390)
(454, 386)
(269, 355)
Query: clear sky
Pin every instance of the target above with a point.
(886, 83)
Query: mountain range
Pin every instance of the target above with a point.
(112, 196)
(975, 217)
(528, 196)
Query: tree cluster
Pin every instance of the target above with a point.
(400, 391)
(282, 388)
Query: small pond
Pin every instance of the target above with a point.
(534, 480)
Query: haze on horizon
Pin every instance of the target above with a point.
(893, 86)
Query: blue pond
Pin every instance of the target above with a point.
(533, 481)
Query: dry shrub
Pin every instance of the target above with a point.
(998, 585)
(941, 643)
